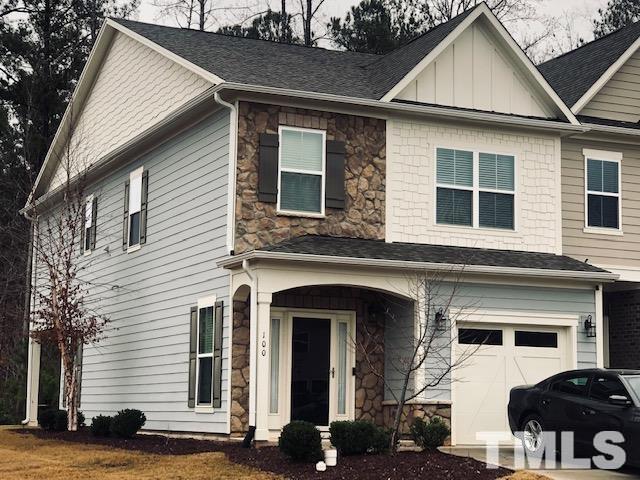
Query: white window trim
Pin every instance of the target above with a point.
(476, 189)
(606, 156)
(204, 303)
(296, 213)
(88, 201)
(137, 173)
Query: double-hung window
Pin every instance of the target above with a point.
(602, 193)
(301, 171)
(475, 189)
(204, 387)
(89, 229)
(134, 228)
(454, 191)
(135, 206)
(496, 191)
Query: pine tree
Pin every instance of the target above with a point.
(618, 14)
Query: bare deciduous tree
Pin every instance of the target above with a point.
(62, 312)
(424, 335)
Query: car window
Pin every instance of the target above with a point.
(573, 385)
(603, 387)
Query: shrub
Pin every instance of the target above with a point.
(6, 419)
(356, 438)
(47, 419)
(429, 436)
(301, 442)
(127, 422)
(101, 426)
(60, 421)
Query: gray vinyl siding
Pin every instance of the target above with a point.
(147, 294)
(619, 99)
(472, 296)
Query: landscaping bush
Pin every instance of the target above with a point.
(6, 419)
(57, 420)
(101, 426)
(301, 442)
(127, 422)
(429, 436)
(356, 438)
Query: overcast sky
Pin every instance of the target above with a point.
(577, 13)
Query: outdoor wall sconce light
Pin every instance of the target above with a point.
(441, 319)
(590, 326)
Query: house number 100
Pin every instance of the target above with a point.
(264, 345)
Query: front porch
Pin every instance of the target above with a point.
(322, 355)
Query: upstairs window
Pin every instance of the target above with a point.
(134, 227)
(301, 171)
(497, 191)
(90, 220)
(475, 189)
(454, 191)
(603, 190)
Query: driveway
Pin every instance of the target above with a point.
(506, 459)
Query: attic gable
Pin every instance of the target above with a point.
(476, 72)
(479, 66)
(133, 88)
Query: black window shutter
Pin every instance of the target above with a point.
(83, 224)
(217, 355)
(94, 222)
(125, 220)
(193, 333)
(143, 207)
(334, 190)
(268, 168)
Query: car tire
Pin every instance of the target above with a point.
(533, 440)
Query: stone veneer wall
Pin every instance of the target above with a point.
(623, 309)
(240, 368)
(258, 224)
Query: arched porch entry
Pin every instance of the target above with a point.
(320, 343)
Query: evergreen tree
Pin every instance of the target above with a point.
(616, 15)
(271, 26)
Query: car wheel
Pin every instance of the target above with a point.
(533, 435)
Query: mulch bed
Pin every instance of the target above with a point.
(405, 465)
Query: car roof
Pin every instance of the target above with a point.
(614, 371)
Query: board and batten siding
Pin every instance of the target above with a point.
(507, 298)
(135, 88)
(143, 361)
(601, 249)
(619, 99)
(476, 72)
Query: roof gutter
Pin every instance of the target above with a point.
(598, 128)
(231, 262)
(438, 111)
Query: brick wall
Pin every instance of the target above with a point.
(411, 188)
(623, 309)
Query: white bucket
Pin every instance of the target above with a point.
(331, 457)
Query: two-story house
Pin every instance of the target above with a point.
(600, 190)
(261, 210)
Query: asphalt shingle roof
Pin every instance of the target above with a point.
(572, 74)
(295, 67)
(413, 252)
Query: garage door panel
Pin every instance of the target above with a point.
(483, 382)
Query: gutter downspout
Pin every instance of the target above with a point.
(30, 288)
(231, 182)
(253, 346)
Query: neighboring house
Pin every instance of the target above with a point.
(277, 200)
(600, 81)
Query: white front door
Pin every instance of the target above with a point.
(312, 367)
(511, 355)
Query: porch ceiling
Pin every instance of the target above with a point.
(379, 253)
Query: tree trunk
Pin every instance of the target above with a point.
(395, 432)
(202, 4)
(307, 24)
(283, 22)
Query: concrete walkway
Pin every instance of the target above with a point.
(506, 459)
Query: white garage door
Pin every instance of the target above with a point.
(508, 356)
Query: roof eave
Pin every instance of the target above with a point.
(236, 260)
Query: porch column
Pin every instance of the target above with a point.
(33, 382)
(262, 379)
